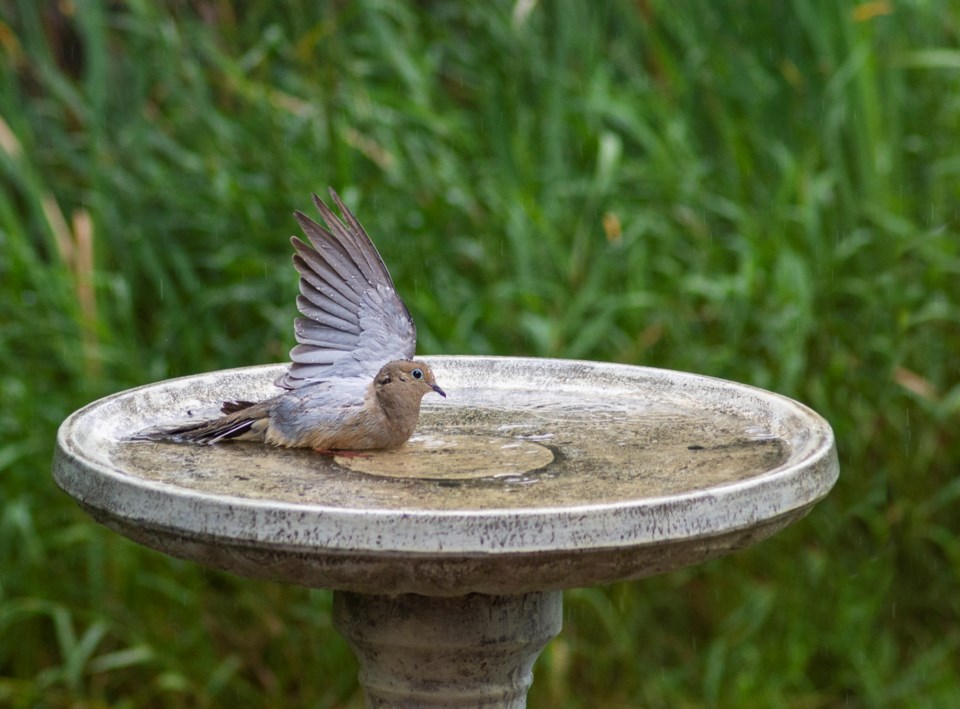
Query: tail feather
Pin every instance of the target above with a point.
(239, 419)
(232, 407)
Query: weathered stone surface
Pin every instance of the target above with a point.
(471, 651)
(596, 473)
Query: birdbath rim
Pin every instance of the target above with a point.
(511, 516)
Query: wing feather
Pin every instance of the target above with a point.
(354, 322)
(314, 272)
(316, 302)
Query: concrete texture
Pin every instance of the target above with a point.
(533, 475)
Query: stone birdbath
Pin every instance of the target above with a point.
(448, 556)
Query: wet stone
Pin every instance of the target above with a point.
(572, 448)
(531, 474)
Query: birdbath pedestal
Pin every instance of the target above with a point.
(448, 556)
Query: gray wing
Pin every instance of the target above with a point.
(354, 322)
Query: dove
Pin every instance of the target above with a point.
(352, 384)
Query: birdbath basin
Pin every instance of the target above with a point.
(448, 556)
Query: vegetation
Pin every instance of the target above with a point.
(765, 192)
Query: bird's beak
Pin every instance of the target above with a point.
(440, 391)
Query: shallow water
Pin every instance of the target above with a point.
(483, 450)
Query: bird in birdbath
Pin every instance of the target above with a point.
(353, 384)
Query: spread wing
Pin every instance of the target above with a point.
(354, 322)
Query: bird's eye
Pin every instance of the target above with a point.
(417, 374)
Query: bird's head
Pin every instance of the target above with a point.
(407, 378)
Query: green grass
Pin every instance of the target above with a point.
(786, 181)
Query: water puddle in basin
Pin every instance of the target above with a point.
(480, 452)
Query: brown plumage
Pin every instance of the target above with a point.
(353, 383)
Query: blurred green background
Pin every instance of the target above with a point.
(765, 192)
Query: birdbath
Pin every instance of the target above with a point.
(448, 556)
